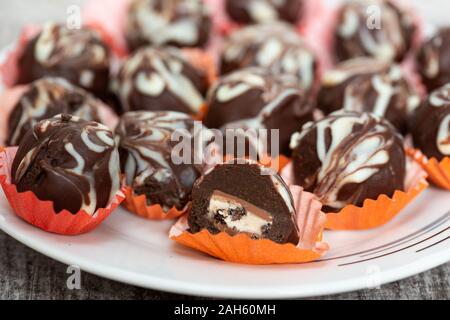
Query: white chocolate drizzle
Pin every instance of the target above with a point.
(347, 157)
(151, 71)
(276, 47)
(166, 21)
(56, 44)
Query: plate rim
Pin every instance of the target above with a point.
(189, 288)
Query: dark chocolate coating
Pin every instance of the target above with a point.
(46, 98)
(369, 85)
(145, 146)
(181, 23)
(276, 46)
(348, 157)
(264, 11)
(430, 125)
(72, 162)
(253, 98)
(433, 60)
(244, 182)
(377, 28)
(80, 56)
(160, 79)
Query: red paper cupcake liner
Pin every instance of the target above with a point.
(242, 249)
(41, 213)
(374, 212)
(438, 171)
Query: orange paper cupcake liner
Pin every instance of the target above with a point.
(202, 113)
(278, 162)
(41, 213)
(202, 61)
(438, 172)
(242, 249)
(374, 213)
(139, 206)
(108, 39)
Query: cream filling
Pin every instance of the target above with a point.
(252, 220)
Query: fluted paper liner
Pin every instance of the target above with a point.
(41, 213)
(242, 249)
(202, 61)
(373, 213)
(138, 204)
(279, 162)
(438, 172)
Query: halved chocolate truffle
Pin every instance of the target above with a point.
(253, 98)
(70, 161)
(78, 55)
(46, 98)
(160, 79)
(377, 28)
(181, 23)
(146, 144)
(264, 11)
(348, 157)
(244, 198)
(430, 125)
(433, 60)
(277, 47)
(369, 85)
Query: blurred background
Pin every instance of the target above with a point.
(14, 14)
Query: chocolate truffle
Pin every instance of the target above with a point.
(70, 161)
(433, 60)
(46, 98)
(348, 157)
(376, 28)
(264, 11)
(181, 23)
(78, 55)
(367, 84)
(160, 79)
(276, 47)
(430, 125)
(146, 146)
(244, 198)
(253, 98)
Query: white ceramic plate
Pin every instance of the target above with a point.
(130, 249)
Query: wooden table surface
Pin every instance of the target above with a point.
(26, 274)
